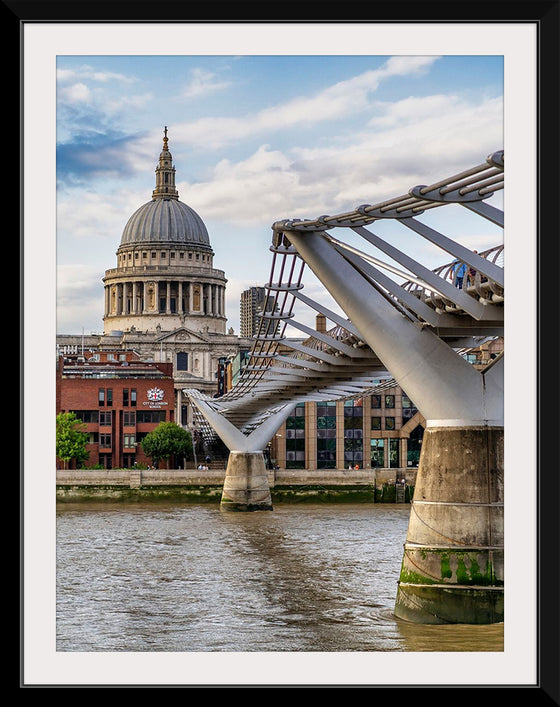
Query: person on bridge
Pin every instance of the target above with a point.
(471, 274)
(457, 273)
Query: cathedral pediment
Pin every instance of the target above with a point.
(182, 335)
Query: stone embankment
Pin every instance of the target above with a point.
(206, 485)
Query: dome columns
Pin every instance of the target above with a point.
(164, 297)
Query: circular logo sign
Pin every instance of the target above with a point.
(155, 394)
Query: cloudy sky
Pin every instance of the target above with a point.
(256, 139)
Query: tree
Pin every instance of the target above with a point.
(71, 438)
(167, 440)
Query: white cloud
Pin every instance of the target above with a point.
(407, 143)
(97, 90)
(87, 73)
(125, 102)
(411, 109)
(247, 192)
(340, 100)
(80, 299)
(93, 216)
(401, 65)
(75, 93)
(201, 83)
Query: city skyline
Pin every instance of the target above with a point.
(255, 139)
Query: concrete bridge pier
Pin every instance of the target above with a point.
(453, 562)
(246, 486)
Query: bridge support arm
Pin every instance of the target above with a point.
(442, 384)
(233, 438)
(246, 486)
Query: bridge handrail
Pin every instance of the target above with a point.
(477, 183)
(482, 288)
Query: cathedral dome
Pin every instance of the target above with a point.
(165, 219)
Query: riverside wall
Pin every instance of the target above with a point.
(367, 485)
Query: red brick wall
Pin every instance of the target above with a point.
(75, 394)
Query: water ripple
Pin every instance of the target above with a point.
(191, 578)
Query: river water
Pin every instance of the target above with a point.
(187, 577)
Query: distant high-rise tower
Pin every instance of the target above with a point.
(321, 323)
(253, 302)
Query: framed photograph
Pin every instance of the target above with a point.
(247, 122)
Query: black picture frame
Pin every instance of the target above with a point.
(15, 14)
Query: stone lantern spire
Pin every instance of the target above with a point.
(165, 174)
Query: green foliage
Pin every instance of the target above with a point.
(71, 438)
(167, 440)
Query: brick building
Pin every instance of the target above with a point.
(119, 398)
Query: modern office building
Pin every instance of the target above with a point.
(383, 430)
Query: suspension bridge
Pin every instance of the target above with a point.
(396, 321)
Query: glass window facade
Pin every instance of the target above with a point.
(150, 416)
(326, 435)
(414, 445)
(182, 361)
(353, 433)
(408, 408)
(375, 401)
(394, 456)
(105, 418)
(363, 433)
(295, 438)
(87, 415)
(377, 452)
(129, 419)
